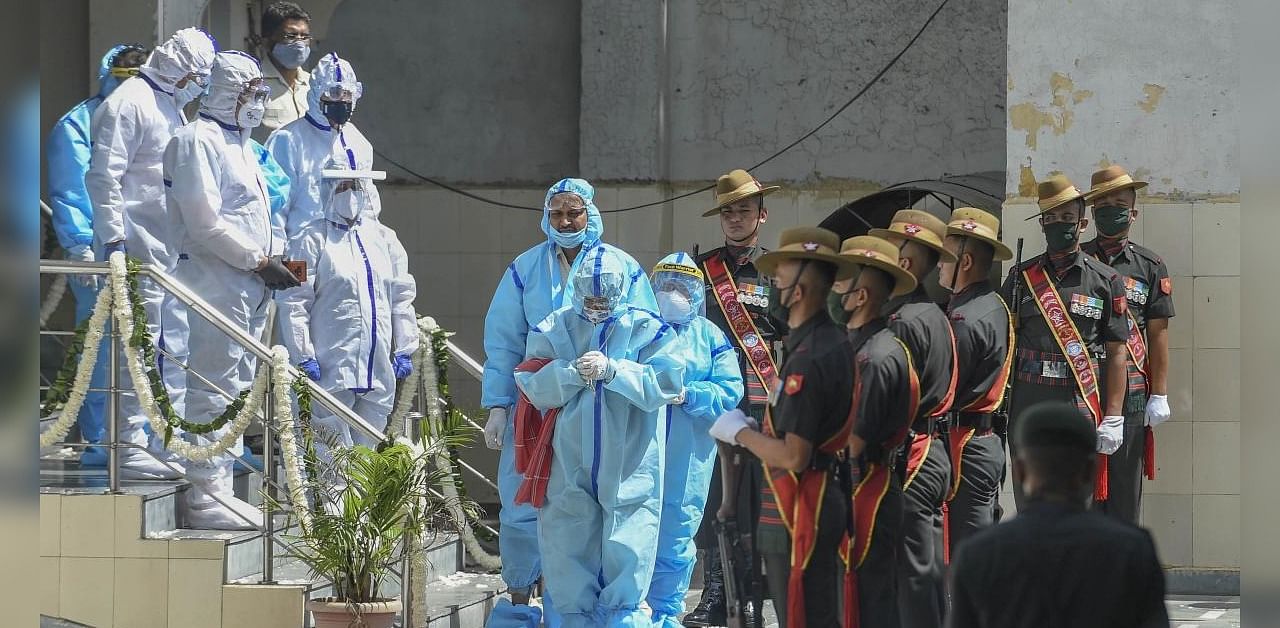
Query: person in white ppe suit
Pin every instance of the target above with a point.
(218, 196)
(351, 325)
(325, 135)
(125, 185)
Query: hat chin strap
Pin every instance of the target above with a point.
(747, 240)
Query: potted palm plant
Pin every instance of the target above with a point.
(361, 531)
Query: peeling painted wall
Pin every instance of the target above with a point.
(1148, 84)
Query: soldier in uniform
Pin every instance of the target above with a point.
(1113, 195)
(1071, 328)
(887, 400)
(981, 323)
(808, 424)
(736, 288)
(923, 328)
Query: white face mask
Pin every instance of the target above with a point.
(674, 307)
(347, 203)
(250, 115)
(187, 93)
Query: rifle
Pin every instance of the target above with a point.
(1000, 420)
(730, 538)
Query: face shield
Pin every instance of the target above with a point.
(598, 285)
(346, 193)
(678, 285)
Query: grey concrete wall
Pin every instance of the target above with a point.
(466, 91)
(1153, 86)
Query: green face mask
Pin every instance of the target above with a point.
(1061, 236)
(835, 307)
(1111, 221)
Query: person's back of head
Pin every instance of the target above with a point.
(1055, 453)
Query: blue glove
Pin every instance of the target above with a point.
(403, 366)
(311, 368)
(118, 245)
(697, 399)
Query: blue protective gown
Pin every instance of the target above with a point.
(598, 528)
(531, 289)
(712, 386)
(68, 153)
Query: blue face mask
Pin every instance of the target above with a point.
(291, 55)
(569, 240)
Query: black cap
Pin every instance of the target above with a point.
(1055, 423)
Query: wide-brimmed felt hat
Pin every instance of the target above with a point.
(813, 243)
(1055, 192)
(877, 252)
(971, 222)
(1110, 179)
(917, 225)
(735, 186)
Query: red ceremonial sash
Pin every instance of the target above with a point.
(1077, 355)
(744, 330)
(533, 433)
(799, 500)
(1137, 345)
(867, 497)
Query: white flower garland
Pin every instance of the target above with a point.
(84, 371)
(288, 441)
(51, 301)
(142, 387)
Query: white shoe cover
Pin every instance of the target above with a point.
(136, 464)
(237, 515)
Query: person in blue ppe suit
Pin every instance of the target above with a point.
(227, 255)
(533, 286)
(129, 132)
(712, 386)
(324, 135)
(351, 325)
(68, 160)
(613, 368)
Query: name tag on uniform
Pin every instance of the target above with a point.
(1136, 291)
(1087, 306)
(753, 294)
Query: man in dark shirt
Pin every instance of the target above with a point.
(980, 321)
(1057, 564)
(1071, 327)
(1113, 195)
(803, 513)
(731, 268)
(924, 328)
(887, 395)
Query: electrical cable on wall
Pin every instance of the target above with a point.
(865, 88)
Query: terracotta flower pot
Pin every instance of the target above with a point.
(333, 613)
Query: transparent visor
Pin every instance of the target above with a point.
(600, 292)
(348, 92)
(567, 202)
(256, 92)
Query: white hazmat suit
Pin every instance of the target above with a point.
(125, 185)
(219, 199)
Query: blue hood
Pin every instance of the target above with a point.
(595, 226)
(106, 82)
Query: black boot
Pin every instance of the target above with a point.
(710, 610)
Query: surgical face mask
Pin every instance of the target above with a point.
(187, 93)
(569, 240)
(1110, 220)
(596, 309)
(249, 115)
(674, 307)
(291, 55)
(835, 307)
(347, 203)
(337, 111)
(1061, 236)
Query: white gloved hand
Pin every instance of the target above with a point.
(679, 399)
(82, 253)
(495, 428)
(1110, 434)
(1158, 410)
(726, 428)
(593, 366)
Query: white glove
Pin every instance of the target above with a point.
(726, 427)
(1158, 410)
(83, 253)
(495, 428)
(679, 399)
(593, 366)
(1110, 434)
